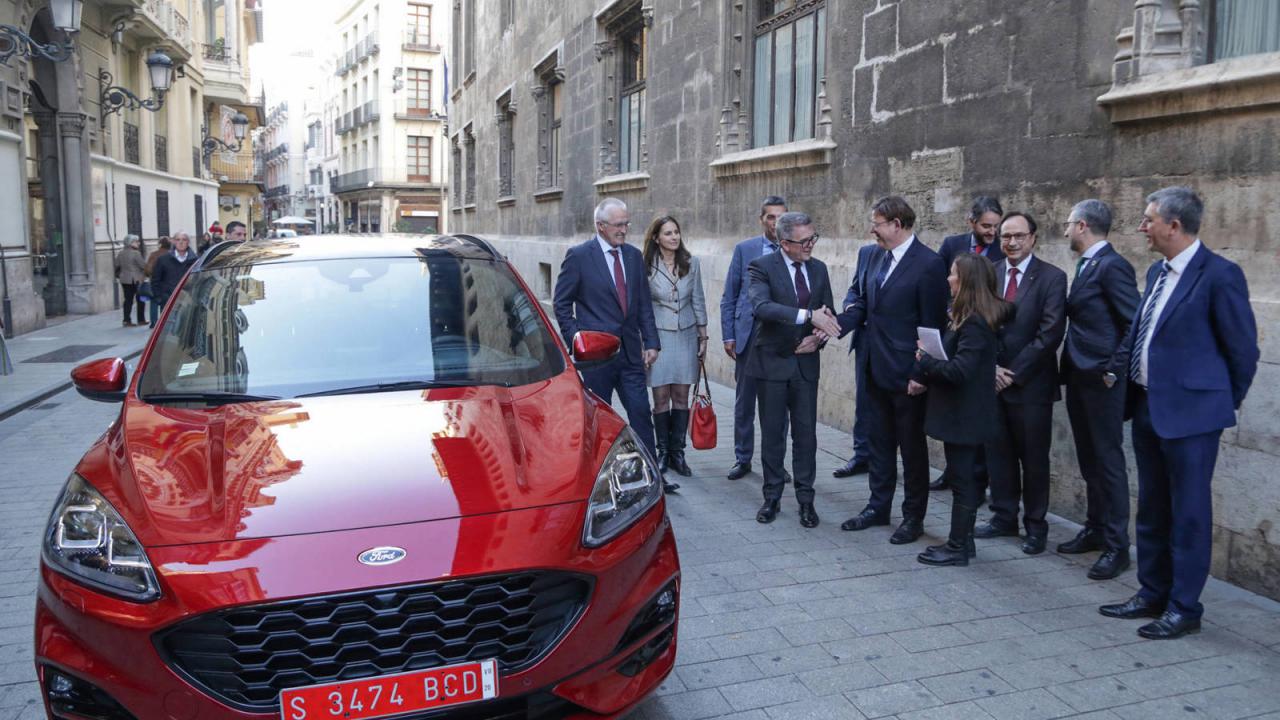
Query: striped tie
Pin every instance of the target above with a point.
(1144, 324)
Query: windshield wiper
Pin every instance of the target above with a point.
(394, 386)
(209, 398)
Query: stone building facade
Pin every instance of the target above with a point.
(674, 107)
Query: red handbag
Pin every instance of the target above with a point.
(702, 417)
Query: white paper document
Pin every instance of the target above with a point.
(932, 341)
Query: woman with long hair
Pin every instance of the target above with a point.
(961, 401)
(680, 311)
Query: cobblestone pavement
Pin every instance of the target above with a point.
(782, 622)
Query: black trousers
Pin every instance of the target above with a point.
(1097, 424)
(1018, 466)
(130, 297)
(794, 400)
(897, 425)
(962, 461)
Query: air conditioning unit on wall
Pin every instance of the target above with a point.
(228, 202)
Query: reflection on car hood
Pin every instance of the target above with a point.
(286, 467)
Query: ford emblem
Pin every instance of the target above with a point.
(381, 556)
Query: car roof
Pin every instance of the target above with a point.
(337, 247)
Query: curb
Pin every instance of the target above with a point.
(49, 391)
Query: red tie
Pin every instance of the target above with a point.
(619, 280)
(1011, 290)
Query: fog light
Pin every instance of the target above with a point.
(658, 612)
(649, 652)
(70, 696)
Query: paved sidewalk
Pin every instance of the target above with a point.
(78, 339)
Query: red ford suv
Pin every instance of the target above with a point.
(356, 478)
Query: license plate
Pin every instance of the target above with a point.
(390, 695)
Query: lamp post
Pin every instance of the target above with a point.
(114, 98)
(210, 144)
(66, 17)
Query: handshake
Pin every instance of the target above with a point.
(825, 327)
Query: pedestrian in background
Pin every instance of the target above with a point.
(131, 270)
(161, 250)
(680, 312)
(961, 398)
(168, 271)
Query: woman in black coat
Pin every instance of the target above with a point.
(961, 397)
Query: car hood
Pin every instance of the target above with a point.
(287, 467)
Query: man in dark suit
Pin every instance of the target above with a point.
(860, 461)
(1194, 352)
(1027, 383)
(737, 321)
(984, 224)
(787, 289)
(1100, 306)
(603, 286)
(907, 290)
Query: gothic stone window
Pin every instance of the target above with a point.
(789, 54)
(456, 153)
(625, 57)
(506, 119)
(469, 140)
(548, 94)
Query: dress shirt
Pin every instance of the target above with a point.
(768, 246)
(1177, 266)
(607, 248)
(974, 243)
(1022, 274)
(802, 313)
(895, 256)
(1094, 249)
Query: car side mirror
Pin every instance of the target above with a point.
(103, 380)
(592, 348)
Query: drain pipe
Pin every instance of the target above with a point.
(115, 283)
(7, 307)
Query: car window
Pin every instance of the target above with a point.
(304, 327)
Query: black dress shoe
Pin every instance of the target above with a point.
(1033, 545)
(1109, 565)
(1085, 541)
(808, 516)
(739, 470)
(939, 484)
(908, 532)
(863, 520)
(768, 512)
(1170, 625)
(991, 529)
(1134, 607)
(669, 487)
(944, 554)
(850, 469)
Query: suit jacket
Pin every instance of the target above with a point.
(914, 295)
(737, 315)
(858, 284)
(776, 334)
(1100, 305)
(1029, 343)
(677, 304)
(954, 245)
(586, 299)
(961, 402)
(1203, 351)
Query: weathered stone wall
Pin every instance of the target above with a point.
(937, 100)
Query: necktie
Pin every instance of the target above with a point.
(1011, 290)
(802, 285)
(1144, 324)
(883, 273)
(619, 280)
(1080, 265)
(979, 248)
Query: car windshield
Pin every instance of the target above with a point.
(355, 325)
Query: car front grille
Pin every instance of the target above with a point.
(245, 656)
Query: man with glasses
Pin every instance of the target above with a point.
(603, 286)
(1027, 386)
(1194, 353)
(788, 289)
(737, 322)
(908, 290)
(1100, 306)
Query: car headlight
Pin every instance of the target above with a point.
(88, 540)
(627, 485)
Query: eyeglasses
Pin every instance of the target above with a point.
(875, 224)
(1067, 225)
(623, 224)
(1016, 237)
(808, 243)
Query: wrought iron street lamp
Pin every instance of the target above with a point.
(209, 144)
(66, 17)
(113, 98)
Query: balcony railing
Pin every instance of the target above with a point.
(371, 113)
(218, 53)
(277, 191)
(343, 124)
(279, 151)
(357, 180)
(418, 40)
(241, 167)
